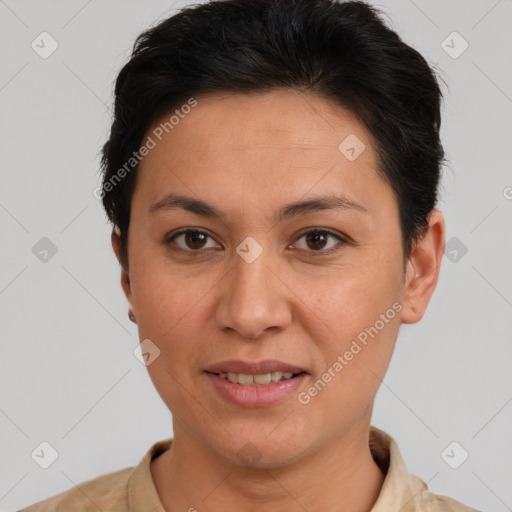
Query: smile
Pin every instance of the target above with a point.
(256, 380)
(260, 390)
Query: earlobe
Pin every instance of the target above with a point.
(423, 269)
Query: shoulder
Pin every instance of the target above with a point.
(425, 500)
(401, 489)
(105, 492)
(131, 488)
(444, 503)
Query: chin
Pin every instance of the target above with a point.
(260, 450)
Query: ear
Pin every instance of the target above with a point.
(125, 276)
(423, 268)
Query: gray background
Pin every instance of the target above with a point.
(68, 374)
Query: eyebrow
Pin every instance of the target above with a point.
(200, 207)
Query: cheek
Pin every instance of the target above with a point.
(172, 310)
(354, 353)
(350, 298)
(164, 294)
(356, 318)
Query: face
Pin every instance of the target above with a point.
(254, 237)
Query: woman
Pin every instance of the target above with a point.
(271, 176)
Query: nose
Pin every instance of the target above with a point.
(253, 299)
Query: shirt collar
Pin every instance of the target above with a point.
(142, 493)
(401, 491)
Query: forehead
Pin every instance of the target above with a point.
(281, 116)
(278, 142)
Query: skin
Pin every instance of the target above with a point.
(249, 155)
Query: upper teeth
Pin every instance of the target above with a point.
(247, 380)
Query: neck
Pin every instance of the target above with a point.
(341, 475)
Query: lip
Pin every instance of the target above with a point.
(256, 395)
(257, 368)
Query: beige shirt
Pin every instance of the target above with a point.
(133, 490)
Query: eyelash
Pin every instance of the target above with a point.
(191, 252)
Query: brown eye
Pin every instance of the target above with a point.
(191, 240)
(321, 241)
(195, 239)
(316, 240)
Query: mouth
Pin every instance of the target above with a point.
(257, 373)
(259, 384)
(261, 379)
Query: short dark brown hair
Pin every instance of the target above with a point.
(342, 51)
